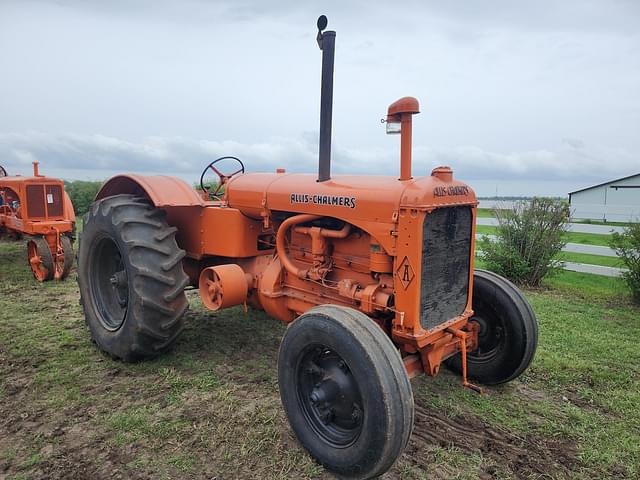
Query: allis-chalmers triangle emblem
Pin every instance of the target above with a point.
(405, 273)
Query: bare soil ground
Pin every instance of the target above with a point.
(210, 409)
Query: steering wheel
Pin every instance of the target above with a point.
(224, 178)
(3, 172)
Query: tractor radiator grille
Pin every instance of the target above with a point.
(44, 201)
(54, 200)
(35, 201)
(446, 253)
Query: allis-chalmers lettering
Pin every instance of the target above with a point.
(451, 190)
(335, 200)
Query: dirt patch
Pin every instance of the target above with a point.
(523, 456)
(530, 392)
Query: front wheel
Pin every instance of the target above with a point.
(40, 258)
(345, 391)
(508, 331)
(64, 259)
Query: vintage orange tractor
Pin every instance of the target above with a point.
(373, 274)
(39, 207)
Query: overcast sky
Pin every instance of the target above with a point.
(519, 98)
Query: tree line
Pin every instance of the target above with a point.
(82, 193)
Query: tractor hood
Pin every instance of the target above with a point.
(348, 197)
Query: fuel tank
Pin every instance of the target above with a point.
(348, 197)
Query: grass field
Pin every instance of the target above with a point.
(211, 409)
(591, 259)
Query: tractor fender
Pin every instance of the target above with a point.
(69, 212)
(161, 190)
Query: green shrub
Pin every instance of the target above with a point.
(627, 246)
(528, 238)
(82, 194)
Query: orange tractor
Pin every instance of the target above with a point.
(39, 207)
(373, 274)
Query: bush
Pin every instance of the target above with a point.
(529, 236)
(627, 246)
(82, 194)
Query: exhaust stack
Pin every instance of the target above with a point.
(327, 43)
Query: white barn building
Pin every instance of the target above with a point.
(614, 201)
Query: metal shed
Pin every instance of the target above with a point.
(614, 201)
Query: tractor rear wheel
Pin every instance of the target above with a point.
(40, 259)
(508, 333)
(131, 278)
(344, 388)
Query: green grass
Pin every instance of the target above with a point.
(588, 238)
(589, 287)
(211, 408)
(485, 213)
(591, 259)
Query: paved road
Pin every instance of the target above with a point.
(573, 227)
(590, 249)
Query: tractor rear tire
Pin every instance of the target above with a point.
(131, 278)
(345, 391)
(508, 333)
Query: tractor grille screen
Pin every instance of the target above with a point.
(35, 201)
(54, 200)
(446, 253)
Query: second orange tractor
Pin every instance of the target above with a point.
(38, 207)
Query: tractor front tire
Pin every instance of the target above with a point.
(65, 263)
(40, 259)
(345, 391)
(131, 278)
(508, 333)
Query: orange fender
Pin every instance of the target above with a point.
(163, 191)
(69, 213)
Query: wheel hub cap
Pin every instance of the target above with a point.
(330, 397)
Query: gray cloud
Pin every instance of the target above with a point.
(571, 161)
(525, 97)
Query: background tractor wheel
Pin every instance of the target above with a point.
(65, 261)
(40, 259)
(131, 278)
(508, 331)
(345, 391)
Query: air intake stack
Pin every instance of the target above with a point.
(327, 43)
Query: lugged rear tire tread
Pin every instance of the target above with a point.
(156, 279)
